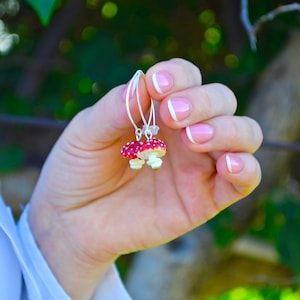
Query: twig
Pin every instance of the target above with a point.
(32, 122)
(247, 24)
(274, 13)
(287, 146)
(40, 63)
(253, 29)
(267, 279)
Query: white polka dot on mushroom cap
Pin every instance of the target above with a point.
(154, 143)
(130, 149)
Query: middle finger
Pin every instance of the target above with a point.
(197, 104)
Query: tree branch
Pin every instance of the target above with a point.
(53, 124)
(32, 122)
(41, 63)
(33, 75)
(286, 146)
(253, 29)
(247, 24)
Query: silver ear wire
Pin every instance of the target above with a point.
(140, 151)
(148, 129)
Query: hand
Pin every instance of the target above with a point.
(89, 207)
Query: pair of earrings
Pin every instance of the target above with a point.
(151, 149)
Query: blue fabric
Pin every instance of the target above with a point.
(25, 274)
(14, 260)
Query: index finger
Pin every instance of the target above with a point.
(171, 76)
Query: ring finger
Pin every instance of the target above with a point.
(223, 133)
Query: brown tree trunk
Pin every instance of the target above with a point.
(47, 49)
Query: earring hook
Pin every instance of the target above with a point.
(148, 130)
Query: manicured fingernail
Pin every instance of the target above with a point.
(179, 108)
(125, 92)
(162, 81)
(234, 164)
(199, 133)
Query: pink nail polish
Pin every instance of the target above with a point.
(179, 108)
(199, 133)
(162, 81)
(234, 164)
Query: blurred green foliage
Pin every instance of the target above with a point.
(283, 227)
(248, 293)
(276, 222)
(108, 41)
(224, 230)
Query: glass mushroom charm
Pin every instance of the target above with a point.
(130, 150)
(151, 150)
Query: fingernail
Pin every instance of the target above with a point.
(199, 133)
(125, 91)
(234, 164)
(162, 81)
(179, 108)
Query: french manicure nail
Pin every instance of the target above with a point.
(179, 108)
(162, 81)
(234, 164)
(199, 133)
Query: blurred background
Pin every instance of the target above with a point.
(58, 57)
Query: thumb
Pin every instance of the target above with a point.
(107, 121)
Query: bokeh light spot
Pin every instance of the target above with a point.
(7, 40)
(152, 41)
(71, 108)
(207, 17)
(93, 4)
(170, 44)
(148, 59)
(96, 88)
(241, 293)
(65, 46)
(85, 85)
(109, 10)
(231, 61)
(89, 32)
(212, 35)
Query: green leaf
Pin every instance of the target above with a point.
(44, 9)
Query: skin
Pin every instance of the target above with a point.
(89, 207)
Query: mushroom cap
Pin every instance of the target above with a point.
(130, 149)
(152, 146)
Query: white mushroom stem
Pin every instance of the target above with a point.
(136, 163)
(154, 162)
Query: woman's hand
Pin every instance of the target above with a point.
(89, 207)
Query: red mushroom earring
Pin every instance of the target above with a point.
(150, 150)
